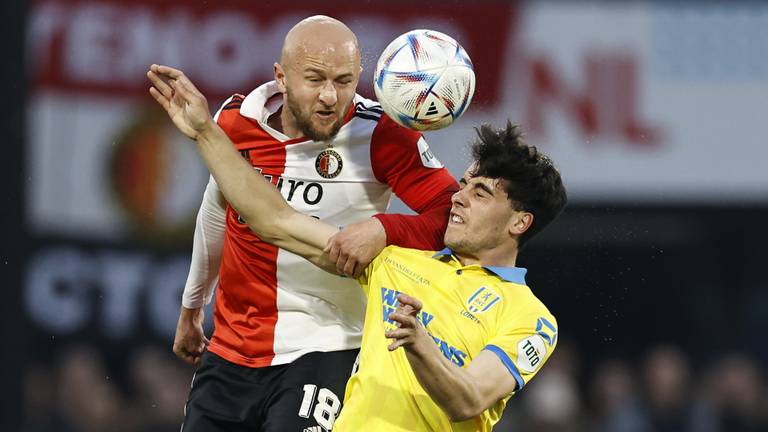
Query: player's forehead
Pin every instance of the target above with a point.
(321, 44)
(470, 177)
(330, 56)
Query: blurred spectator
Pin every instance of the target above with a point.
(614, 399)
(87, 396)
(552, 402)
(669, 406)
(40, 411)
(162, 385)
(736, 388)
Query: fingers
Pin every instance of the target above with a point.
(404, 320)
(333, 249)
(162, 100)
(191, 357)
(401, 336)
(396, 344)
(358, 271)
(169, 81)
(350, 267)
(166, 70)
(329, 246)
(160, 84)
(405, 299)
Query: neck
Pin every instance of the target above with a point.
(283, 121)
(497, 257)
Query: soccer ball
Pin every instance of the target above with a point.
(424, 80)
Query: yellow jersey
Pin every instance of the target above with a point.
(466, 309)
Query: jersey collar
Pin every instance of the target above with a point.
(509, 274)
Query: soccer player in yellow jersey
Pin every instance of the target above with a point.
(449, 336)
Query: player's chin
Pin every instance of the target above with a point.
(325, 132)
(451, 240)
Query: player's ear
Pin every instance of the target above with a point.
(520, 222)
(280, 77)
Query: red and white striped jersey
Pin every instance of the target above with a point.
(273, 306)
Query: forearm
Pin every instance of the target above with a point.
(450, 386)
(260, 204)
(251, 195)
(206, 249)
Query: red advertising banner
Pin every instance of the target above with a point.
(104, 47)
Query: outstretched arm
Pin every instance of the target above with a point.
(256, 200)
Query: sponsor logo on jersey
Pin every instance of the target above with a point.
(328, 163)
(466, 314)
(546, 330)
(530, 353)
(428, 159)
(389, 304)
(482, 300)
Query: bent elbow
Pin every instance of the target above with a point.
(464, 412)
(267, 233)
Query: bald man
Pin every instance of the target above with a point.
(286, 333)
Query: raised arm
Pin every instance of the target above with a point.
(255, 199)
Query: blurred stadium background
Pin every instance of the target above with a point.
(654, 111)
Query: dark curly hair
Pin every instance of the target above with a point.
(530, 180)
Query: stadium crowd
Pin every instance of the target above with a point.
(78, 391)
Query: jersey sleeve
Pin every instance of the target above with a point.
(524, 343)
(210, 227)
(227, 113)
(401, 158)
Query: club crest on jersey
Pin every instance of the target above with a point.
(328, 163)
(482, 300)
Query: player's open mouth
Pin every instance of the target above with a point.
(324, 115)
(456, 219)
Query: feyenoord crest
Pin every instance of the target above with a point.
(328, 163)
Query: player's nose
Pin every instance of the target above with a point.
(328, 94)
(458, 198)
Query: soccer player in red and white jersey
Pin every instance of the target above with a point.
(286, 333)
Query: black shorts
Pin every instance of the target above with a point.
(303, 396)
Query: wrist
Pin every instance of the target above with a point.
(208, 132)
(422, 346)
(190, 314)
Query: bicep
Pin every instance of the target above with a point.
(493, 379)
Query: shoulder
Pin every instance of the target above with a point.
(386, 128)
(229, 110)
(367, 109)
(526, 305)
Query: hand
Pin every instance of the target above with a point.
(410, 333)
(355, 246)
(190, 342)
(185, 105)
